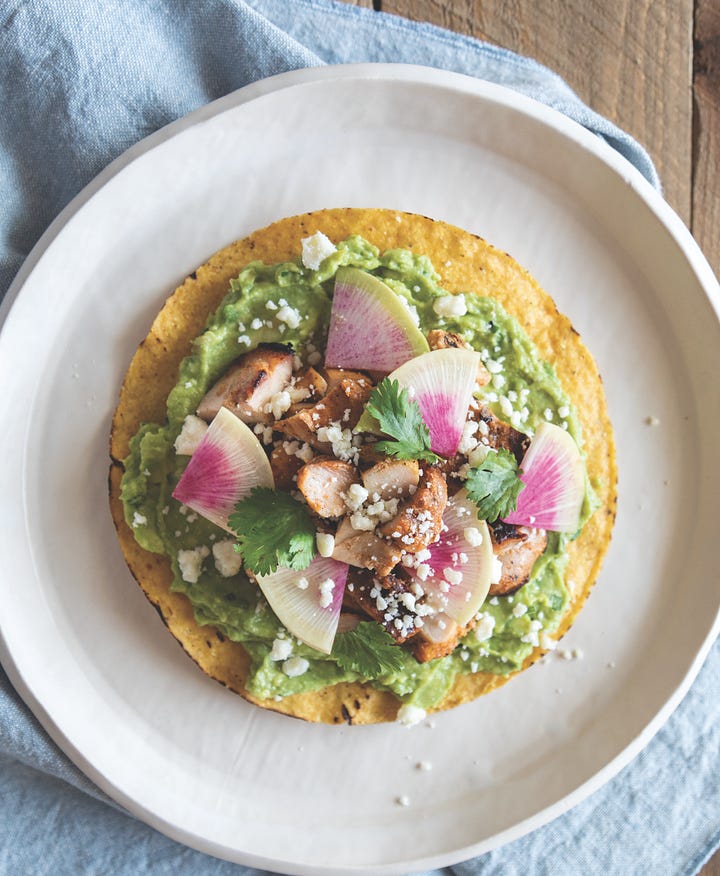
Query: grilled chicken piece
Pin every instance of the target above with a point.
(365, 550)
(517, 548)
(247, 386)
(335, 375)
(390, 601)
(500, 434)
(439, 637)
(307, 388)
(419, 522)
(323, 482)
(438, 339)
(285, 467)
(343, 404)
(391, 478)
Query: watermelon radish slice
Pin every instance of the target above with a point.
(442, 383)
(308, 603)
(370, 327)
(554, 477)
(228, 463)
(460, 561)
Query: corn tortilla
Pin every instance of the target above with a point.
(468, 263)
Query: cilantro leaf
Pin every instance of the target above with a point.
(368, 650)
(495, 485)
(400, 418)
(272, 530)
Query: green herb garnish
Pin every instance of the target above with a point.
(368, 650)
(495, 485)
(400, 418)
(272, 530)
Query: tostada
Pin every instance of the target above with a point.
(363, 467)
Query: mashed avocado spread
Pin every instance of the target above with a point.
(524, 391)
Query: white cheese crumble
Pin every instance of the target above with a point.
(496, 570)
(138, 519)
(190, 562)
(281, 649)
(409, 715)
(326, 588)
(325, 543)
(453, 576)
(295, 666)
(290, 316)
(279, 404)
(547, 642)
(472, 536)
(485, 627)
(227, 560)
(519, 610)
(191, 434)
(316, 248)
(450, 305)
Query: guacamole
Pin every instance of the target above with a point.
(524, 391)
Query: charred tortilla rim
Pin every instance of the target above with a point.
(469, 264)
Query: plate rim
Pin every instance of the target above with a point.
(391, 73)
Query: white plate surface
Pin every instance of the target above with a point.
(90, 655)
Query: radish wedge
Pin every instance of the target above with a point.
(306, 604)
(442, 383)
(554, 477)
(461, 562)
(227, 464)
(370, 327)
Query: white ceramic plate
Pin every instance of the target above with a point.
(88, 652)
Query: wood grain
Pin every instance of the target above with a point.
(628, 59)
(706, 133)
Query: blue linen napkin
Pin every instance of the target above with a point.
(81, 82)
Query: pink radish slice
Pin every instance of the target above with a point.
(227, 464)
(370, 327)
(442, 383)
(461, 562)
(306, 604)
(554, 478)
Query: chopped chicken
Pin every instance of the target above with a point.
(323, 482)
(285, 467)
(386, 607)
(419, 522)
(343, 404)
(439, 339)
(247, 387)
(517, 548)
(501, 434)
(391, 478)
(364, 550)
(335, 375)
(439, 637)
(307, 388)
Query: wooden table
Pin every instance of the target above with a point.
(651, 66)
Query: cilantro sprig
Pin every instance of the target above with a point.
(400, 418)
(368, 650)
(272, 530)
(494, 485)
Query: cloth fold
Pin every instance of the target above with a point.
(79, 84)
